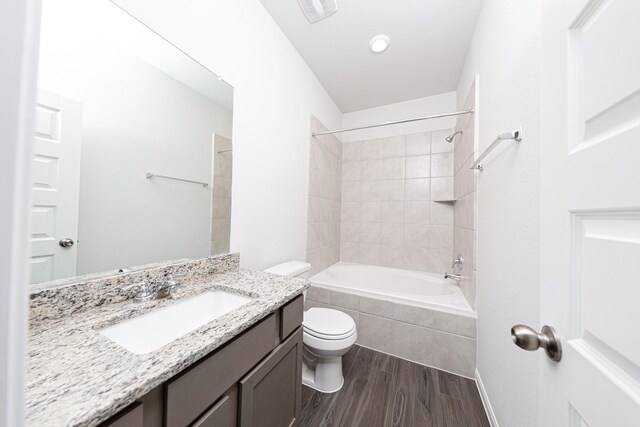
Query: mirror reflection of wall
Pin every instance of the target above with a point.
(117, 102)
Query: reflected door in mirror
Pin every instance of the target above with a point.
(55, 191)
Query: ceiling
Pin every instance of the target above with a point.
(429, 43)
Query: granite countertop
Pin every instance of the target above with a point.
(77, 377)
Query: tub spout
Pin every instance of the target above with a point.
(455, 277)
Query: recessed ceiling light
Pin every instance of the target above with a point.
(379, 43)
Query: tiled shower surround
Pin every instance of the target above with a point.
(323, 217)
(393, 202)
(465, 191)
(397, 202)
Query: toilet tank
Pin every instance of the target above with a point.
(299, 269)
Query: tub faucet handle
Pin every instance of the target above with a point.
(458, 262)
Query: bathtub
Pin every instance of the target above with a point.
(426, 290)
(421, 317)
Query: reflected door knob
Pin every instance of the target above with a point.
(527, 338)
(66, 242)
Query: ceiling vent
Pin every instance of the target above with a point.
(316, 10)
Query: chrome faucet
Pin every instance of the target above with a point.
(146, 292)
(455, 277)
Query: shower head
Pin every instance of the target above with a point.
(449, 139)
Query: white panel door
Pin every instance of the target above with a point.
(590, 248)
(56, 183)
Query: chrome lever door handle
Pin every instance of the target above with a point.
(527, 338)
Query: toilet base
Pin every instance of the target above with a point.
(326, 376)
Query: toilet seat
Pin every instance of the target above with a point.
(328, 324)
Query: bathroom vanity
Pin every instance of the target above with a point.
(254, 380)
(241, 369)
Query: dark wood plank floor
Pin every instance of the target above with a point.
(382, 390)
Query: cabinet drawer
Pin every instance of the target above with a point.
(291, 317)
(223, 414)
(270, 395)
(191, 393)
(131, 416)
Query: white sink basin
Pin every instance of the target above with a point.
(151, 331)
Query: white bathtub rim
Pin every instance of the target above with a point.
(465, 311)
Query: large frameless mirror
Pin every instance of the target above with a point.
(133, 151)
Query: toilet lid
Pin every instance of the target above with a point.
(328, 323)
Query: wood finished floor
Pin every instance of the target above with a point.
(382, 390)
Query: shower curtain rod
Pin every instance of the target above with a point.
(436, 116)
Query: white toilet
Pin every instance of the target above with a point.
(327, 335)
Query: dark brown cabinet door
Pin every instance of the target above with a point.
(189, 394)
(128, 417)
(223, 414)
(270, 395)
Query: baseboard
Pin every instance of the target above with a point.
(485, 401)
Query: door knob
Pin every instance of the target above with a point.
(528, 339)
(66, 242)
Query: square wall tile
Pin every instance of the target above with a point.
(352, 151)
(350, 211)
(393, 146)
(418, 143)
(370, 253)
(393, 168)
(456, 354)
(370, 211)
(392, 256)
(351, 171)
(349, 232)
(441, 213)
(371, 170)
(344, 299)
(313, 236)
(441, 237)
(372, 149)
(442, 164)
(370, 191)
(418, 167)
(370, 232)
(392, 234)
(392, 212)
(416, 236)
(416, 258)
(349, 251)
(417, 189)
(442, 188)
(414, 343)
(416, 212)
(317, 155)
(318, 294)
(351, 191)
(376, 307)
(376, 332)
(438, 260)
(392, 190)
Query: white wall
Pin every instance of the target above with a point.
(129, 126)
(18, 50)
(420, 107)
(508, 60)
(275, 93)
